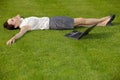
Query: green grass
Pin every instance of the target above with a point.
(48, 55)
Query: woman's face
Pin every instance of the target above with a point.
(14, 21)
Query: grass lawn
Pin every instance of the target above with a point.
(48, 55)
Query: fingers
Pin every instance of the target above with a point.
(11, 41)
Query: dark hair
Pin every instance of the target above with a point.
(10, 27)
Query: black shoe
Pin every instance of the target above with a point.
(112, 17)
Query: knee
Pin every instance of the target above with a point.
(78, 19)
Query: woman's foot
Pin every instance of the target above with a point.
(112, 17)
(107, 21)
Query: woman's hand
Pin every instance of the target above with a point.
(11, 41)
(22, 31)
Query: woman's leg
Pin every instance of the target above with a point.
(91, 21)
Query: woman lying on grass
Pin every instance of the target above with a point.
(54, 23)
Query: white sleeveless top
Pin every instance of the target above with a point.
(36, 23)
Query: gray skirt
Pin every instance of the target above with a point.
(61, 23)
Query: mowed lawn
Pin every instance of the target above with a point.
(48, 55)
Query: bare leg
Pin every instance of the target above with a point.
(91, 21)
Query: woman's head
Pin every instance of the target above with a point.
(13, 23)
(8, 26)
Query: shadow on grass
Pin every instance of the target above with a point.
(116, 23)
(98, 35)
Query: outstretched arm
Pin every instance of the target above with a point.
(23, 30)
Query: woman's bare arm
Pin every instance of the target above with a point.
(23, 30)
